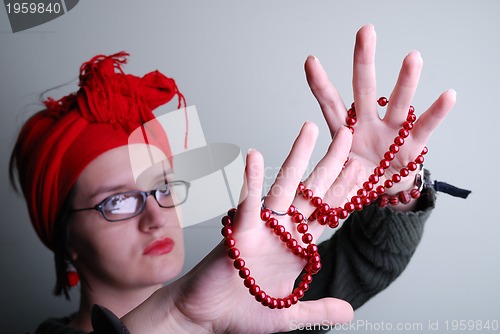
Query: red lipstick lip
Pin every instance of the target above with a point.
(160, 247)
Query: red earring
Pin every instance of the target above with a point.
(73, 278)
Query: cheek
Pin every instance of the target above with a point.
(97, 246)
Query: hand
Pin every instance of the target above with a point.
(212, 297)
(373, 136)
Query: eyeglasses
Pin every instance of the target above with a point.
(129, 204)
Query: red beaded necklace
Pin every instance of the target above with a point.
(325, 215)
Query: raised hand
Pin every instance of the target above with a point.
(213, 298)
(373, 135)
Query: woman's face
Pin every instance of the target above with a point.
(134, 253)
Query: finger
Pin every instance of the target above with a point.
(329, 311)
(325, 93)
(430, 120)
(250, 195)
(327, 170)
(283, 190)
(364, 82)
(401, 96)
(340, 189)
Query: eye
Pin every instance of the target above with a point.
(163, 190)
(122, 204)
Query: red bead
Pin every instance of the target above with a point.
(415, 193)
(384, 163)
(396, 178)
(355, 200)
(298, 292)
(254, 289)
(388, 183)
(350, 207)
(304, 286)
(362, 193)
(291, 210)
(315, 258)
(383, 201)
(272, 223)
(239, 263)
(260, 296)
(394, 148)
(229, 242)
(373, 195)
(350, 121)
(226, 221)
(315, 267)
(411, 118)
(399, 140)
(382, 101)
(425, 150)
(317, 202)
(407, 125)
(279, 230)
(273, 304)
(394, 200)
(358, 207)
(294, 299)
(297, 217)
(281, 303)
(301, 187)
(343, 214)
(307, 193)
(307, 277)
(333, 221)
(297, 250)
(419, 159)
(411, 110)
(324, 208)
(312, 248)
(307, 238)
(288, 302)
(292, 243)
(379, 171)
(266, 301)
(368, 185)
(265, 214)
(227, 231)
(234, 253)
(389, 155)
(404, 197)
(373, 179)
(231, 213)
(285, 237)
(351, 112)
(404, 172)
(403, 133)
(322, 219)
(380, 190)
(366, 200)
(244, 272)
(302, 228)
(412, 166)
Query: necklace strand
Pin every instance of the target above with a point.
(370, 192)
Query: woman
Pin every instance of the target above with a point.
(82, 176)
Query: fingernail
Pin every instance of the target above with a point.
(250, 150)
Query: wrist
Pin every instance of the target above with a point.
(402, 196)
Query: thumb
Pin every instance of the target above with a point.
(323, 314)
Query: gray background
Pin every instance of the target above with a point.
(241, 64)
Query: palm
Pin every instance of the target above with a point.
(374, 135)
(217, 294)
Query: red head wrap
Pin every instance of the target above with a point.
(57, 143)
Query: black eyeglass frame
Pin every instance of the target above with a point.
(145, 194)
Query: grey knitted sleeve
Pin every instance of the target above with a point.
(369, 252)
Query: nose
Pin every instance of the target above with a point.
(153, 217)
